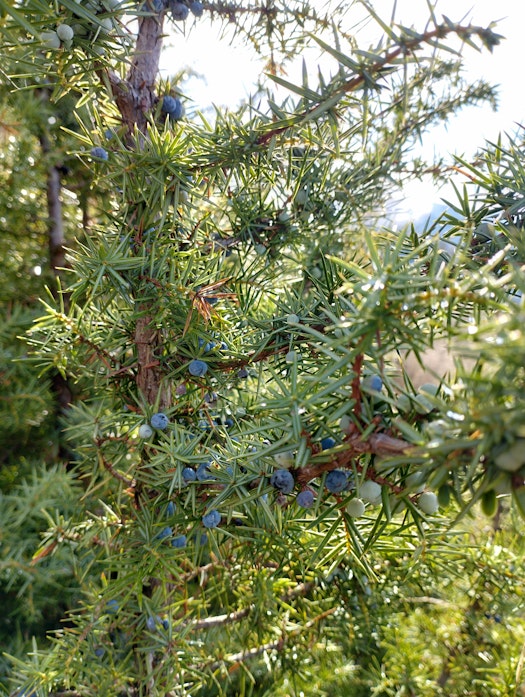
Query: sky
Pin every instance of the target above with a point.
(226, 72)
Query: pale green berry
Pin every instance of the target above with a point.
(65, 32)
(428, 502)
(292, 319)
(106, 25)
(370, 491)
(422, 404)
(301, 197)
(355, 508)
(429, 388)
(284, 216)
(415, 482)
(50, 39)
(145, 431)
(345, 423)
(512, 459)
(404, 403)
(285, 459)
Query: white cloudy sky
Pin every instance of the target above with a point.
(229, 72)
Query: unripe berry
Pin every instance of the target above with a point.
(50, 39)
(285, 459)
(301, 197)
(429, 388)
(345, 423)
(292, 356)
(428, 502)
(489, 503)
(370, 491)
(512, 459)
(415, 482)
(145, 431)
(65, 32)
(355, 508)
(106, 25)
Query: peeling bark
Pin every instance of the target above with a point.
(136, 99)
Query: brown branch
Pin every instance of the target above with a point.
(406, 46)
(128, 481)
(376, 443)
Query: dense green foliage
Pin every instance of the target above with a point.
(219, 477)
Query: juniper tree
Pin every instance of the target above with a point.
(251, 456)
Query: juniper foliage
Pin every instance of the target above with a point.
(231, 308)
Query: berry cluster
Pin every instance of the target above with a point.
(83, 27)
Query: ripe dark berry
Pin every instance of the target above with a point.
(112, 606)
(283, 481)
(179, 11)
(211, 519)
(336, 481)
(197, 368)
(327, 443)
(189, 475)
(173, 107)
(179, 542)
(305, 499)
(203, 472)
(196, 8)
(165, 532)
(99, 153)
(376, 383)
(159, 421)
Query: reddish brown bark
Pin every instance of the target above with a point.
(136, 99)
